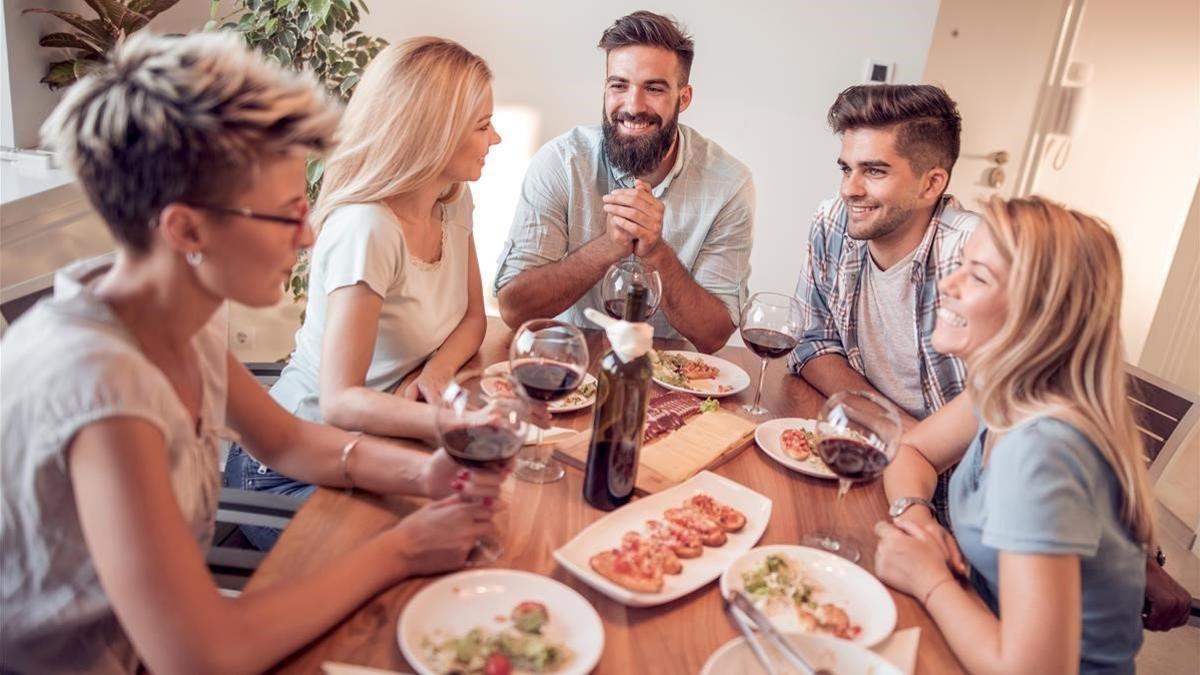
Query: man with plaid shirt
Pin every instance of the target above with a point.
(877, 252)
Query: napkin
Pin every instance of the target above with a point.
(900, 649)
(551, 435)
(628, 340)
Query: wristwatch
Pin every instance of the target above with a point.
(901, 505)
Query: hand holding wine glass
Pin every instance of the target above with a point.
(548, 359)
(770, 327)
(480, 433)
(859, 435)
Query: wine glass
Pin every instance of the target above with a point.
(549, 359)
(858, 435)
(481, 431)
(623, 275)
(770, 327)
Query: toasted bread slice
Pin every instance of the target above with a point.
(710, 532)
(611, 566)
(684, 542)
(635, 544)
(729, 518)
(796, 443)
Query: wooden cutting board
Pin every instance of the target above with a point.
(706, 440)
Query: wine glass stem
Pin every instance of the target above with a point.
(762, 373)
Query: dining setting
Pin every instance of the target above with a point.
(614, 450)
(709, 612)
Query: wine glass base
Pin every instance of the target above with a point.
(844, 548)
(756, 411)
(484, 553)
(539, 472)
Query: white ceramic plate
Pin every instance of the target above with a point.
(768, 434)
(843, 583)
(730, 375)
(455, 604)
(569, 404)
(606, 533)
(839, 656)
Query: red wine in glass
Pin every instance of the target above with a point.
(767, 343)
(483, 446)
(852, 459)
(547, 380)
(616, 309)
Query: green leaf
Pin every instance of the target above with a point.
(319, 8)
(59, 74)
(347, 85)
(314, 171)
(65, 41)
(91, 30)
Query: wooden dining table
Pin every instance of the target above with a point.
(676, 637)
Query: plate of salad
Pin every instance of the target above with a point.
(499, 622)
(806, 590)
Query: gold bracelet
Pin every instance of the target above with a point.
(925, 600)
(345, 463)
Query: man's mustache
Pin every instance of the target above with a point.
(649, 118)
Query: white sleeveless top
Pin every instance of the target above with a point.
(67, 363)
(422, 302)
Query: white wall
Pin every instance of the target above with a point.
(764, 75)
(1135, 160)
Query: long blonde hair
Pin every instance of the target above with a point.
(1059, 351)
(415, 103)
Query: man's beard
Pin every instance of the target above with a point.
(639, 155)
(890, 217)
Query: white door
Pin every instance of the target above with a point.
(992, 58)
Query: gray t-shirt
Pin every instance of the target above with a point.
(708, 222)
(67, 363)
(1047, 490)
(887, 333)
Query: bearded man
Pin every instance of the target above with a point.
(641, 184)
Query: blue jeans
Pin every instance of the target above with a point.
(246, 473)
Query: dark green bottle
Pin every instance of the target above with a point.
(621, 397)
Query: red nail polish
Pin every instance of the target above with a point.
(462, 475)
(456, 485)
(487, 501)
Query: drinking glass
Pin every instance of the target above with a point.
(770, 327)
(858, 435)
(623, 275)
(480, 431)
(549, 360)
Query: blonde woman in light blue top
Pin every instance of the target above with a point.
(1050, 507)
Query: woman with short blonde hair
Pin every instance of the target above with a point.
(394, 285)
(193, 151)
(1049, 504)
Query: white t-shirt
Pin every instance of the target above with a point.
(67, 363)
(422, 302)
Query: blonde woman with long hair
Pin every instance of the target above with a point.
(1050, 506)
(394, 284)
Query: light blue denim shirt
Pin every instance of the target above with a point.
(1047, 490)
(708, 222)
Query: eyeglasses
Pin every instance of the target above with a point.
(286, 220)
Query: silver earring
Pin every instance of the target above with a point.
(194, 258)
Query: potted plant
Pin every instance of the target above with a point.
(91, 39)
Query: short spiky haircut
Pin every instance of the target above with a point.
(179, 119)
(928, 126)
(652, 30)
